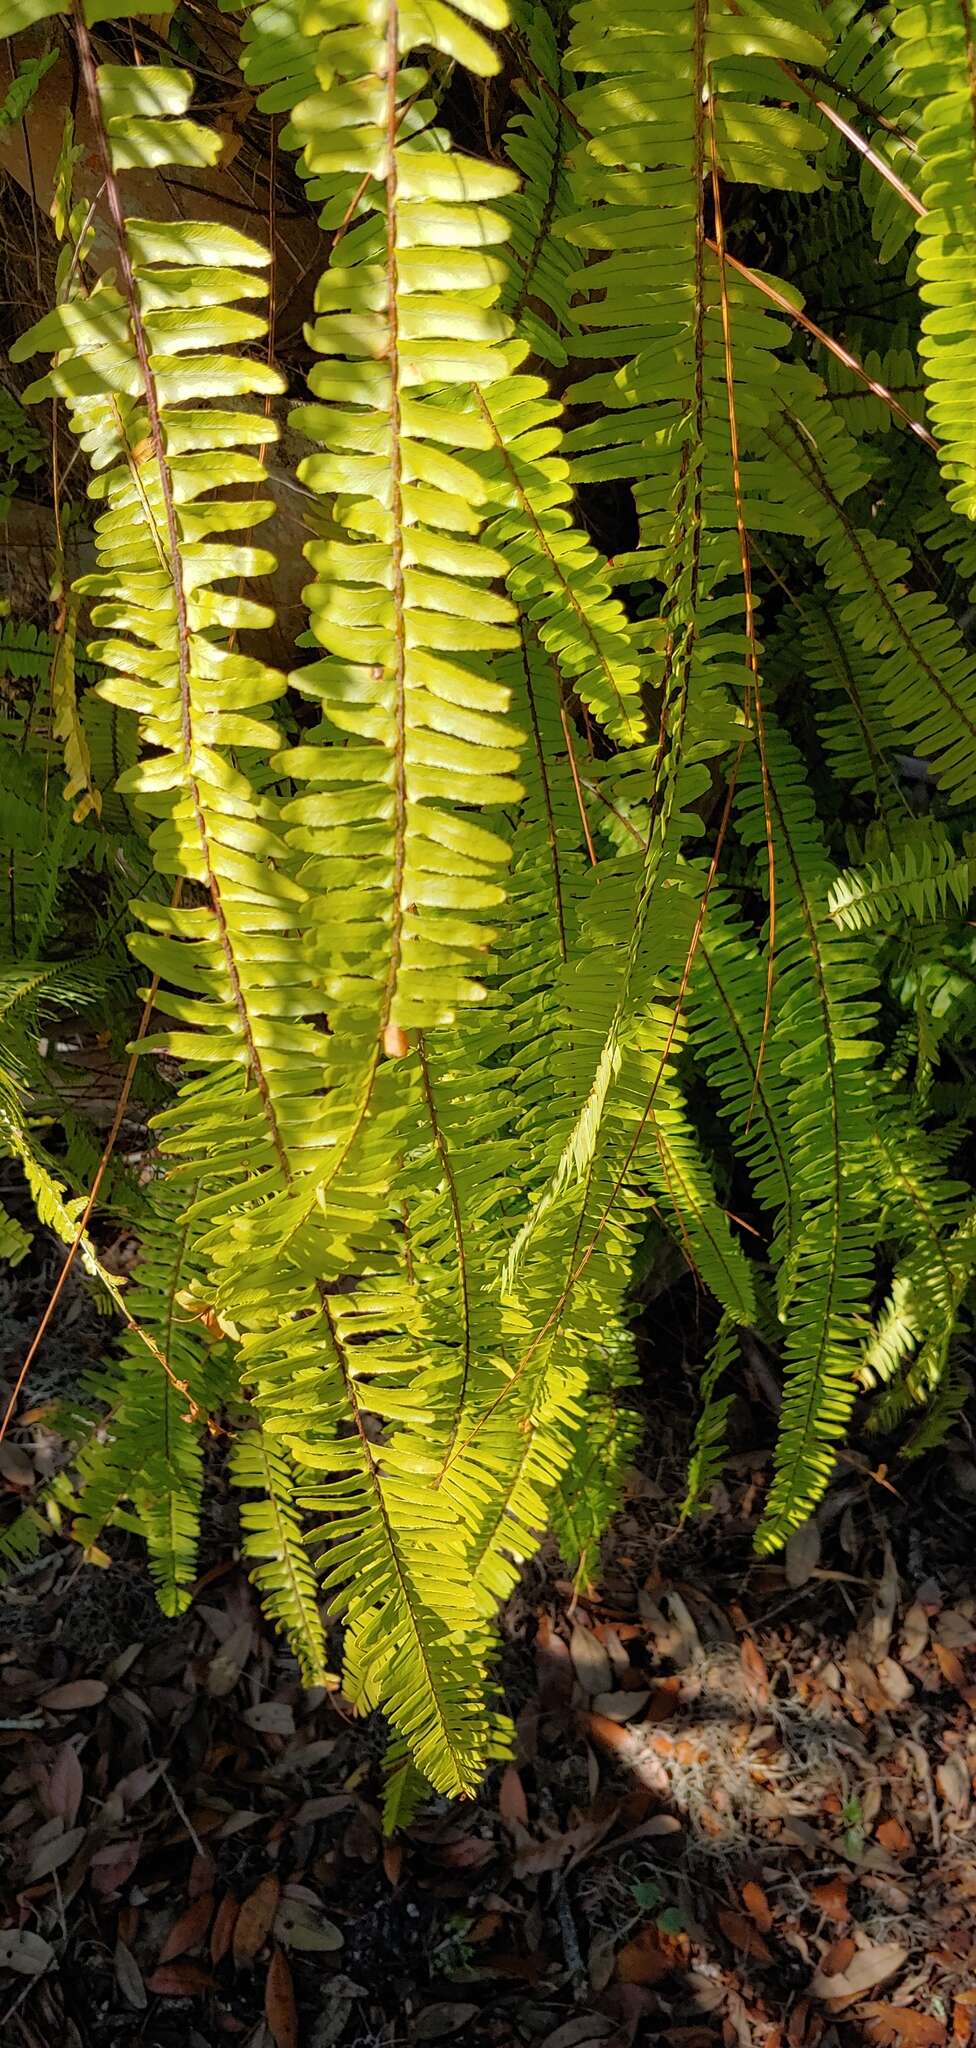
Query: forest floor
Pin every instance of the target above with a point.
(741, 1813)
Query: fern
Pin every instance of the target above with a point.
(598, 878)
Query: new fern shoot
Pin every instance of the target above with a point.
(600, 868)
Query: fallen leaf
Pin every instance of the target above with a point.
(135, 1785)
(300, 1925)
(65, 1784)
(621, 1706)
(955, 1630)
(876, 1633)
(954, 1782)
(113, 1865)
(864, 1685)
(895, 1683)
(894, 1837)
(180, 1980)
(469, 1853)
(950, 1664)
(757, 1906)
(279, 2002)
(24, 1952)
(270, 1717)
(591, 1661)
(512, 1803)
(16, 1468)
(600, 1962)
(838, 1955)
(229, 1661)
(188, 1931)
(900, 2026)
(236, 1822)
(393, 1862)
(754, 1672)
(67, 1699)
(255, 1921)
(685, 1646)
(802, 1554)
(644, 1960)
(222, 1932)
(585, 2032)
(554, 1669)
(868, 1967)
(963, 2022)
(743, 1935)
(324, 1808)
(54, 1854)
(914, 1633)
(436, 2022)
(531, 1859)
(128, 1977)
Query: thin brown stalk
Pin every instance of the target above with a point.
(835, 348)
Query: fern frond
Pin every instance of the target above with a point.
(920, 880)
(936, 52)
(709, 1448)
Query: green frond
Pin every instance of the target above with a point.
(276, 1550)
(146, 1453)
(601, 871)
(936, 53)
(538, 292)
(15, 1240)
(823, 1042)
(709, 1448)
(920, 880)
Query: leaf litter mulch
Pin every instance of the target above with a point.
(741, 1813)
